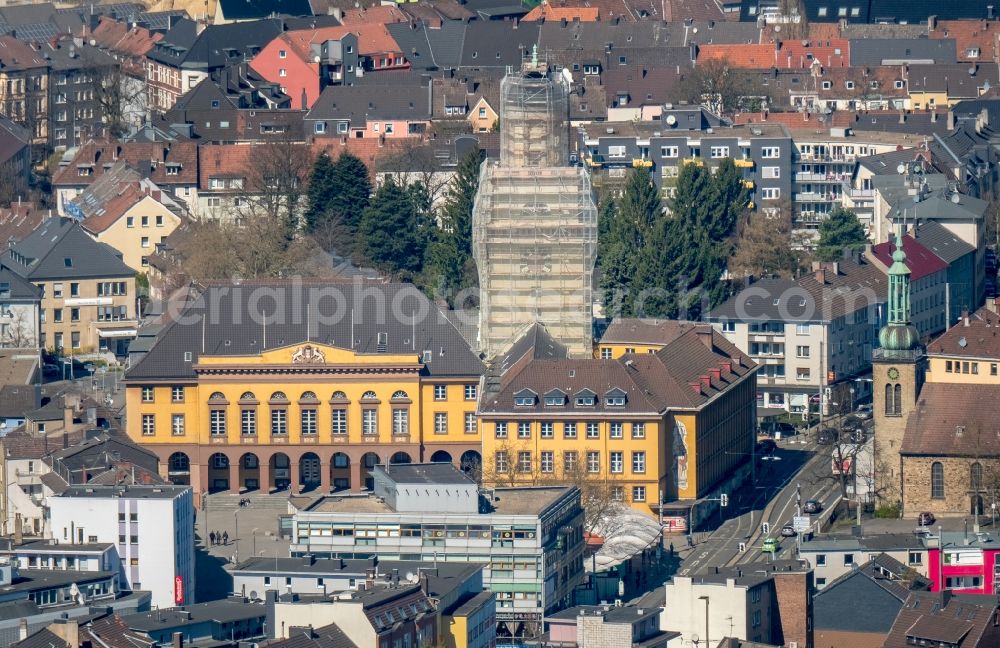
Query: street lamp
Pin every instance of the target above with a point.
(705, 598)
(236, 516)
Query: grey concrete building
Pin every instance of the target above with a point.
(530, 539)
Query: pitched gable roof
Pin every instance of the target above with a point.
(921, 261)
(59, 248)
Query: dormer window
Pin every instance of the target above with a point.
(615, 398)
(555, 398)
(849, 85)
(525, 398)
(586, 398)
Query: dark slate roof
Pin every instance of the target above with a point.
(60, 249)
(430, 49)
(216, 46)
(937, 238)
(251, 9)
(823, 302)
(450, 353)
(44, 638)
(326, 637)
(221, 611)
(359, 103)
(426, 473)
(497, 44)
(17, 400)
(894, 51)
(835, 607)
(917, 11)
(13, 139)
(14, 288)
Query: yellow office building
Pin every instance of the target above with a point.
(254, 387)
(651, 427)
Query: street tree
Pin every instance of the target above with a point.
(765, 246)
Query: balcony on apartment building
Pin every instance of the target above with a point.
(826, 178)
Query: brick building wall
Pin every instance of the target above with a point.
(592, 631)
(957, 498)
(793, 593)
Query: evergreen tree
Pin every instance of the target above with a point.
(392, 233)
(840, 231)
(319, 191)
(684, 257)
(349, 190)
(627, 225)
(449, 265)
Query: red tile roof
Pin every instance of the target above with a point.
(919, 259)
(952, 419)
(19, 220)
(980, 338)
(150, 159)
(380, 15)
(753, 56)
(970, 35)
(373, 38)
(795, 55)
(118, 37)
(546, 11)
(18, 55)
(368, 149)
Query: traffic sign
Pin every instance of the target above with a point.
(801, 523)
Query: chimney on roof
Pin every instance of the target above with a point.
(931, 23)
(951, 120)
(933, 116)
(705, 335)
(22, 629)
(178, 640)
(993, 304)
(965, 317)
(820, 275)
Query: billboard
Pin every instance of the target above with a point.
(178, 590)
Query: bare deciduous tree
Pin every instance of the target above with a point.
(275, 178)
(18, 332)
(601, 494)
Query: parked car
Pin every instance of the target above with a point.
(788, 531)
(770, 545)
(766, 447)
(926, 519)
(774, 428)
(827, 437)
(812, 506)
(864, 412)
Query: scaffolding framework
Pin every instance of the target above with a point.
(534, 223)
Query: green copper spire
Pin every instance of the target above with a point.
(898, 334)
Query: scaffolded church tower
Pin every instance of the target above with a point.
(534, 221)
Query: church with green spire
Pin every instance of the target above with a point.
(898, 368)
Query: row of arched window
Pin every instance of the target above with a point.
(893, 399)
(280, 397)
(937, 479)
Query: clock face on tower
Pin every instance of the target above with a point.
(893, 373)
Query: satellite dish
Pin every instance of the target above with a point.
(956, 198)
(671, 120)
(901, 169)
(694, 30)
(962, 342)
(777, 29)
